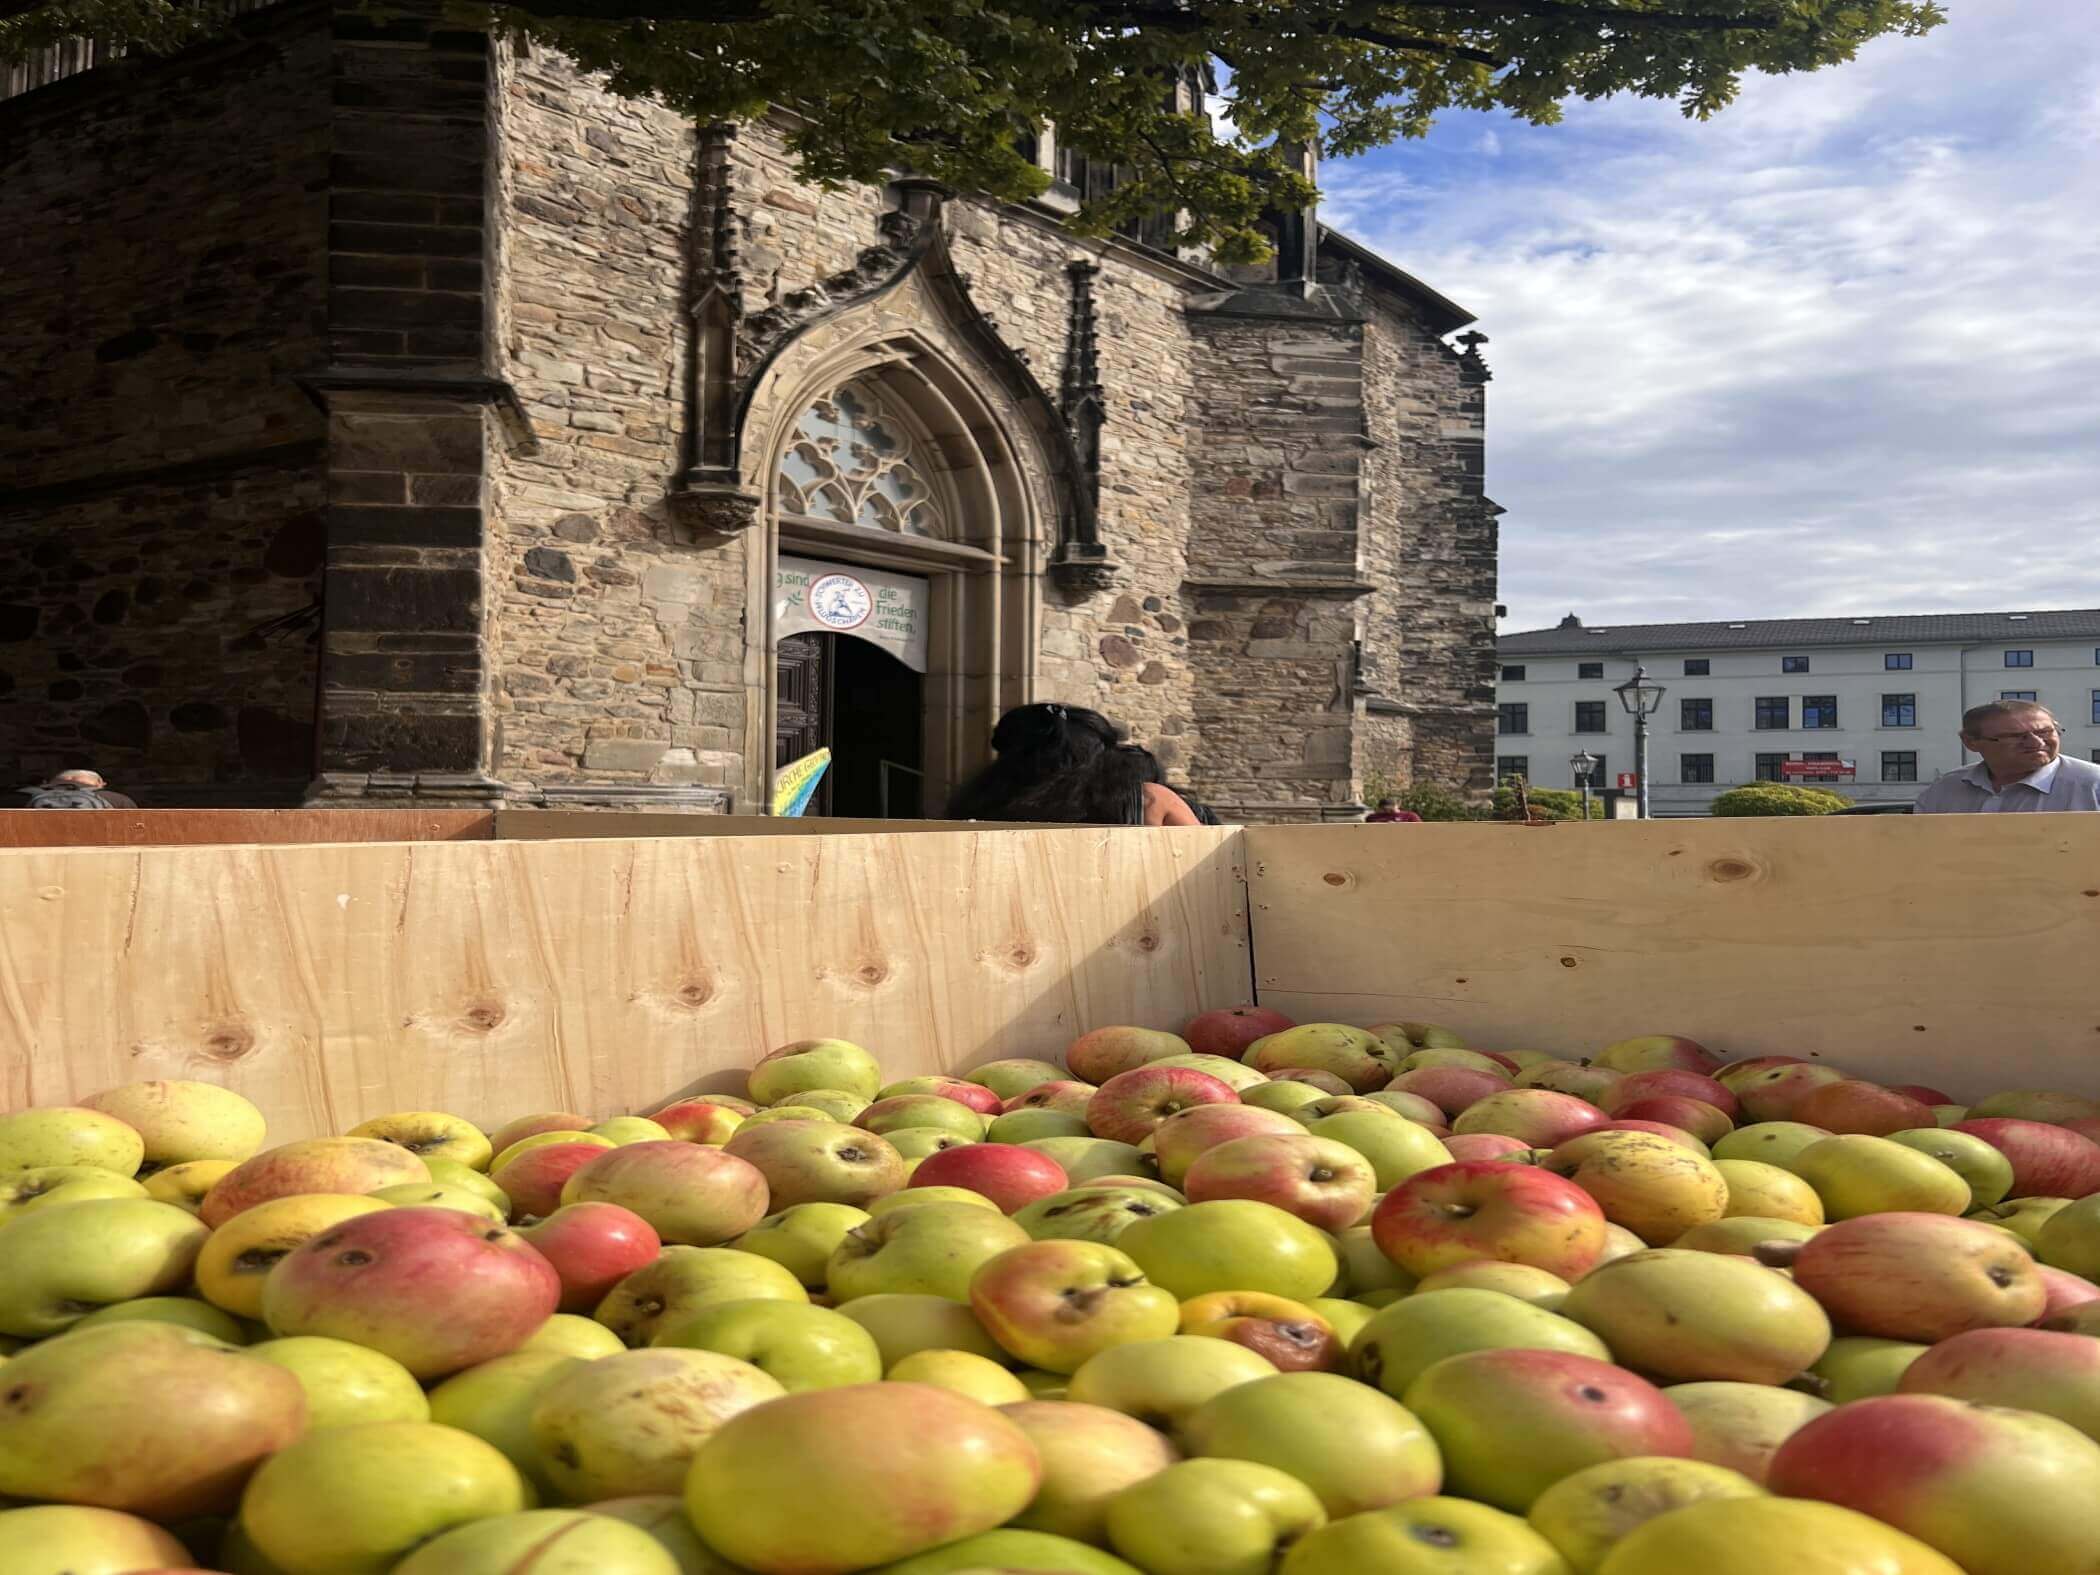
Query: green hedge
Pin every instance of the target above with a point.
(1779, 798)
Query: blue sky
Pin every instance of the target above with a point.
(1836, 351)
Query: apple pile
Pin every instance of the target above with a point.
(1254, 1298)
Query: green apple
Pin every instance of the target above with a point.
(1345, 1318)
(631, 1423)
(346, 1384)
(494, 1400)
(185, 1185)
(904, 1322)
(1770, 1142)
(840, 1104)
(2024, 1217)
(1365, 1268)
(1586, 1514)
(187, 1311)
(427, 1132)
(683, 1280)
(1024, 1126)
(1950, 1115)
(1358, 1058)
(1212, 1517)
(915, 1197)
(1856, 1174)
(934, 1250)
(356, 1500)
(451, 1173)
(435, 1195)
(1281, 1097)
(1741, 1426)
(1691, 1316)
(69, 1135)
(922, 1110)
(58, 1264)
(1861, 1366)
(547, 1540)
(571, 1334)
(1235, 1075)
(915, 1143)
(1397, 1148)
(1355, 1448)
(1740, 1234)
(54, 1539)
(814, 1063)
(1012, 1552)
(1012, 1078)
(1161, 1382)
(1988, 1172)
(1090, 1213)
(2069, 1239)
(1408, 1337)
(800, 1346)
(630, 1129)
(662, 1515)
(1090, 1159)
(23, 1190)
(1536, 1286)
(802, 1239)
(1089, 1455)
(1053, 1304)
(979, 1377)
(819, 1162)
(760, 1118)
(1737, 1536)
(1232, 1244)
(1426, 1536)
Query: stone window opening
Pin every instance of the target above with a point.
(853, 461)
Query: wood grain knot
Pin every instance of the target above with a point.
(871, 973)
(229, 1042)
(694, 993)
(1335, 878)
(483, 1017)
(1021, 957)
(1148, 943)
(1731, 869)
(1569, 962)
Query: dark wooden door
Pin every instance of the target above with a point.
(802, 714)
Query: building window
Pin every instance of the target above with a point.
(1899, 710)
(1695, 768)
(2096, 707)
(1589, 670)
(1600, 774)
(1768, 768)
(1589, 716)
(1512, 718)
(1774, 711)
(1819, 710)
(1899, 765)
(1696, 666)
(1695, 716)
(853, 462)
(1507, 766)
(2019, 658)
(1898, 661)
(2017, 694)
(1793, 664)
(1512, 675)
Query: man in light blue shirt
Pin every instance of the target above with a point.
(2023, 768)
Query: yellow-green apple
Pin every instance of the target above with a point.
(963, 1373)
(1860, 1366)
(23, 1190)
(1365, 1267)
(1652, 1052)
(1998, 1491)
(1412, 1106)
(1486, 1145)
(541, 1540)
(1426, 1536)
(494, 1401)
(234, 1263)
(571, 1334)
(1661, 1129)
(1851, 1105)
(149, 1418)
(1014, 1076)
(1234, 1073)
(1703, 1122)
(505, 1157)
(1229, 1030)
(1395, 1147)
(1059, 1094)
(1767, 1192)
(352, 1165)
(1478, 1060)
(356, 1499)
(1619, 1242)
(2069, 1238)
(1651, 1186)
(1010, 1175)
(1856, 1174)
(2021, 1104)
(1355, 1448)
(2027, 1369)
(1358, 1058)
(838, 1104)
(517, 1131)
(1097, 1056)
(425, 1133)
(74, 1539)
(622, 1130)
(1741, 1426)
(1313, 1078)
(69, 1135)
(1022, 1126)
(787, 1113)
(1770, 1142)
(1053, 1304)
(1327, 1184)
(1362, 1104)
(1450, 1088)
(803, 1238)
(186, 1184)
(1441, 1218)
(1691, 1316)
(819, 1162)
(934, 1250)
(1234, 1244)
(682, 1280)
(1513, 1422)
(346, 1384)
(1776, 1093)
(1741, 1234)
(592, 1247)
(631, 1423)
(814, 1063)
(1535, 1117)
(532, 1178)
(1086, 1160)
(663, 1517)
(1917, 1276)
(1742, 1536)
(2024, 1217)
(1151, 1184)
(1988, 1173)
(1127, 1107)
(961, 1090)
(2047, 1161)
(182, 1121)
(913, 1198)
(1403, 1038)
(1212, 1517)
(1090, 1213)
(695, 1196)
(916, 1143)
(800, 1346)
(1282, 1095)
(1736, 1071)
(1526, 1284)
(1408, 1337)
(61, 1263)
(1577, 1079)
(1345, 1318)
(451, 1173)
(1290, 1334)
(703, 1121)
(1587, 1514)
(1667, 1083)
(898, 1468)
(1007, 1549)
(185, 1312)
(904, 1322)
(436, 1195)
(1089, 1454)
(886, 1116)
(375, 1280)
(1161, 1382)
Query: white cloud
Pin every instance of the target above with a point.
(1836, 351)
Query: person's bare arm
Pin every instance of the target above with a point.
(1165, 807)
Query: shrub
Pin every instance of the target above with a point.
(1779, 798)
(1432, 802)
(1553, 803)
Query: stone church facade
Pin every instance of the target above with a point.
(388, 413)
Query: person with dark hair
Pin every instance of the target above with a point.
(1066, 764)
(1389, 812)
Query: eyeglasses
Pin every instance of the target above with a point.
(2044, 734)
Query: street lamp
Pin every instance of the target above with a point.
(1585, 764)
(1640, 696)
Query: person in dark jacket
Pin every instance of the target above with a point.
(1067, 764)
(77, 790)
(1388, 812)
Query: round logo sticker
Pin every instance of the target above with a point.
(839, 601)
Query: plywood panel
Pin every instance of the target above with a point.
(1961, 952)
(51, 828)
(540, 825)
(334, 983)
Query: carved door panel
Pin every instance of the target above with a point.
(802, 713)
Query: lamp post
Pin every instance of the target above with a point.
(1584, 764)
(1640, 696)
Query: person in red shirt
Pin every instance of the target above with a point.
(1387, 812)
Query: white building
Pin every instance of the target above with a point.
(1742, 699)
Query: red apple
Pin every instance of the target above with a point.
(1511, 1062)
(1322, 1182)
(334, 1164)
(1098, 1056)
(2065, 1290)
(1129, 1105)
(961, 1090)
(2047, 1161)
(1854, 1106)
(1923, 1094)
(1920, 1277)
(1067, 1096)
(1011, 1176)
(1661, 1129)
(592, 1246)
(1230, 1029)
(1453, 1214)
(700, 1121)
(1538, 1117)
(1178, 1140)
(1735, 1071)
(1772, 1094)
(1695, 1116)
(1484, 1145)
(435, 1289)
(1671, 1082)
(2028, 1369)
(533, 1181)
(1450, 1088)
(2084, 1126)
(694, 1196)
(1654, 1051)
